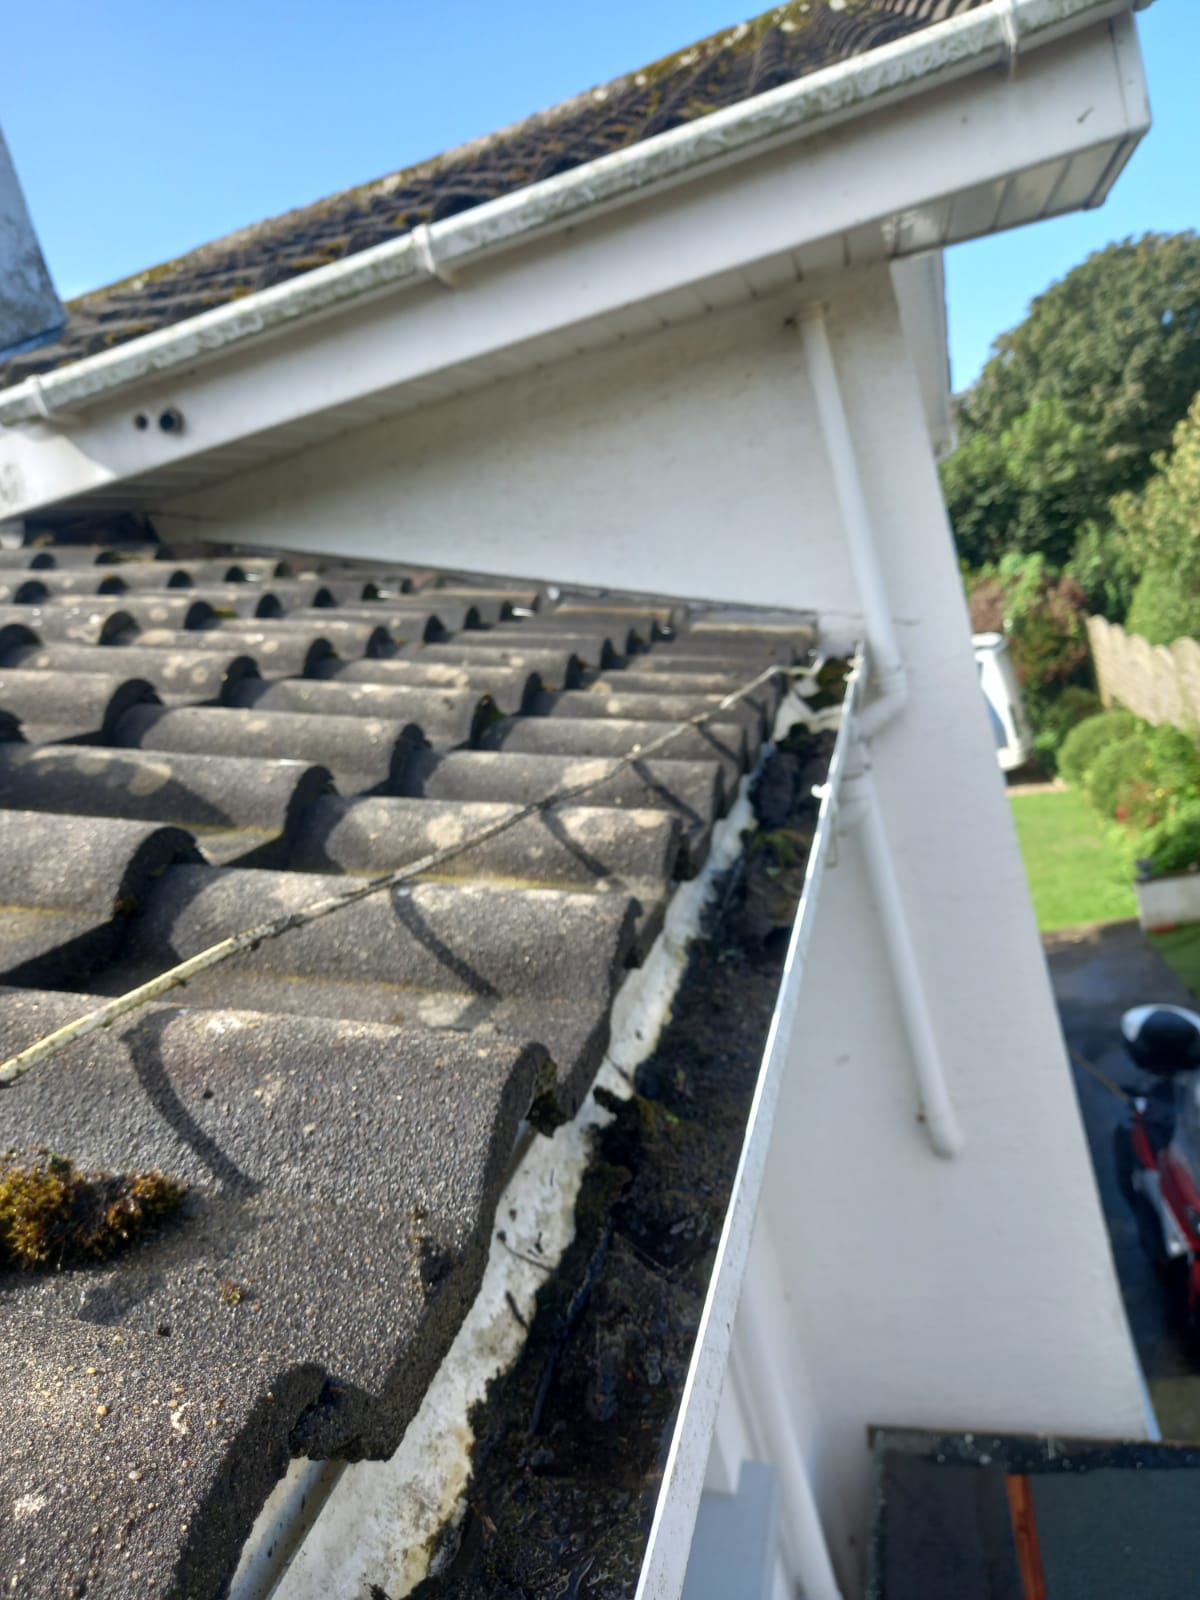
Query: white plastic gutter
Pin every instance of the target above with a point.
(992, 35)
(667, 1550)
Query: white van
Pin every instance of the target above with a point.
(998, 680)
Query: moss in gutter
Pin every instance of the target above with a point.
(571, 1442)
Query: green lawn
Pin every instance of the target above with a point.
(1077, 874)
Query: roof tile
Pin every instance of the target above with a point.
(783, 44)
(363, 1076)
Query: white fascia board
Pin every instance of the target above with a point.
(997, 32)
(785, 193)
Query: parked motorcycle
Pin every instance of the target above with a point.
(1158, 1153)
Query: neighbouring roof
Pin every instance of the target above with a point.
(783, 44)
(187, 745)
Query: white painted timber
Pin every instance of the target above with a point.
(882, 185)
(885, 76)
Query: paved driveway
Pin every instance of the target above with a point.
(1097, 974)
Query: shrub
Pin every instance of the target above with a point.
(1103, 567)
(1086, 740)
(1163, 609)
(1176, 764)
(1174, 845)
(1159, 528)
(1120, 784)
(1145, 777)
(1073, 706)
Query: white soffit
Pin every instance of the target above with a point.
(980, 153)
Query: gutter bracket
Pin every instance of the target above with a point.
(422, 240)
(1010, 28)
(45, 411)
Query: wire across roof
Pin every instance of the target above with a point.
(340, 1104)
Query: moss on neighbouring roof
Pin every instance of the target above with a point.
(736, 64)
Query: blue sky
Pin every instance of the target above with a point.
(142, 130)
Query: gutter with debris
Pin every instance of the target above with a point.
(329, 1528)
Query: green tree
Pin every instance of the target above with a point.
(1161, 529)
(1024, 489)
(1076, 401)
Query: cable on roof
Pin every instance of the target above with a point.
(105, 1015)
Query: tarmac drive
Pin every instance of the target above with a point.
(1098, 972)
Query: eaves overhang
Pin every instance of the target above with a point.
(1011, 112)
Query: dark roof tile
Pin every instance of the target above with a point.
(290, 1131)
(361, 752)
(538, 965)
(199, 792)
(636, 852)
(722, 742)
(276, 654)
(512, 688)
(778, 47)
(445, 717)
(557, 668)
(67, 882)
(362, 1077)
(605, 699)
(53, 706)
(24, 589)
(347, 638)
(128, 1470)
(693, 791)
(180, 676)
(99, 620)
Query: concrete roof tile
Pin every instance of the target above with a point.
(778, 47)
(361, 1077)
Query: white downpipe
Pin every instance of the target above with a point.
(802, 1537)
(887, 664)
(891, 682)
(861, 810)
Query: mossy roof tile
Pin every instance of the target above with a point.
(779, 46)
(359, 1081)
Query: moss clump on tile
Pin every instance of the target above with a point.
(52, 1214)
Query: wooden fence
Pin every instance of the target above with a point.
(1158, 682)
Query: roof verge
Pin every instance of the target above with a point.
(993, 34)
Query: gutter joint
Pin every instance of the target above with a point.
(1011, 30)
(423, 241)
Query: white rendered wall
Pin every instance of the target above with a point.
(974, 1293)
(640, 465)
